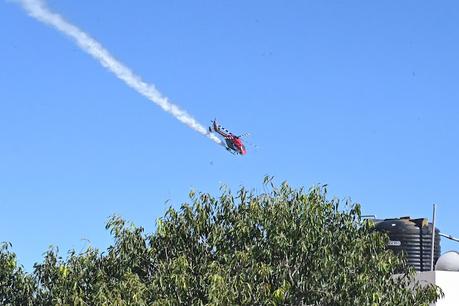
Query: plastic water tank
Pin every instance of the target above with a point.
(412, 237)
(448, 262)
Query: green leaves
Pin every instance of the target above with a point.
(282, 247)
(16, 287)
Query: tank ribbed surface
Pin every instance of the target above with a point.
(412, 237)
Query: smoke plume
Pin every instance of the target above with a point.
(38, 10)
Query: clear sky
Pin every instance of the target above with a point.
(360, 95)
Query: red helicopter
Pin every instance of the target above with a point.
(233, 143)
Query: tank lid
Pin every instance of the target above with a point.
(419, 222)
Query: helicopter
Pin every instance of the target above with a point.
(233, 143)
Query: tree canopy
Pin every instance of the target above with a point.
(284, 246)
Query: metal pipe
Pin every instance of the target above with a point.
(368, 217)
(449, 237)
(433, 239)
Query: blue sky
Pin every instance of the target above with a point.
(359, 95)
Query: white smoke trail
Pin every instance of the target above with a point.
(39, 10)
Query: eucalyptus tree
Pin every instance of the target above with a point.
(284, 246)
